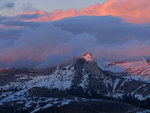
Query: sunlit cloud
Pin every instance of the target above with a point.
(114, 30)
(134, 11)
(106, 37)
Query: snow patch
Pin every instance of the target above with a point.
(85, 81)
(115, 84)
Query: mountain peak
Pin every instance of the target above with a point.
(88, 57)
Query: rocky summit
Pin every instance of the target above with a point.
(76, 86)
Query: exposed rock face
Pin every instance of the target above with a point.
(88, 57)
(37, 89)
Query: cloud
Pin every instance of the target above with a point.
(4, 43)
(28, 7)
(13, 7)
(104, 28)
(6, 4)
(26, 16)
(43, 40)
(11, 27)
(128, 51)
(107, 37)
(9, 34)
(133, 11)
(9, 5)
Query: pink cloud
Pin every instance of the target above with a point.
(134, 11)
(9, 27)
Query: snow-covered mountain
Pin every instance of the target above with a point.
(71, 83)
(136, 68)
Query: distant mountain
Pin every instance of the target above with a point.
(135, 68)
(76, 86)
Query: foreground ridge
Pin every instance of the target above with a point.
(80, 82)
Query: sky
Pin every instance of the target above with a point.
(33, 34)
(14, 7)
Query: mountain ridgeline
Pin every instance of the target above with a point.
(65, 87)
